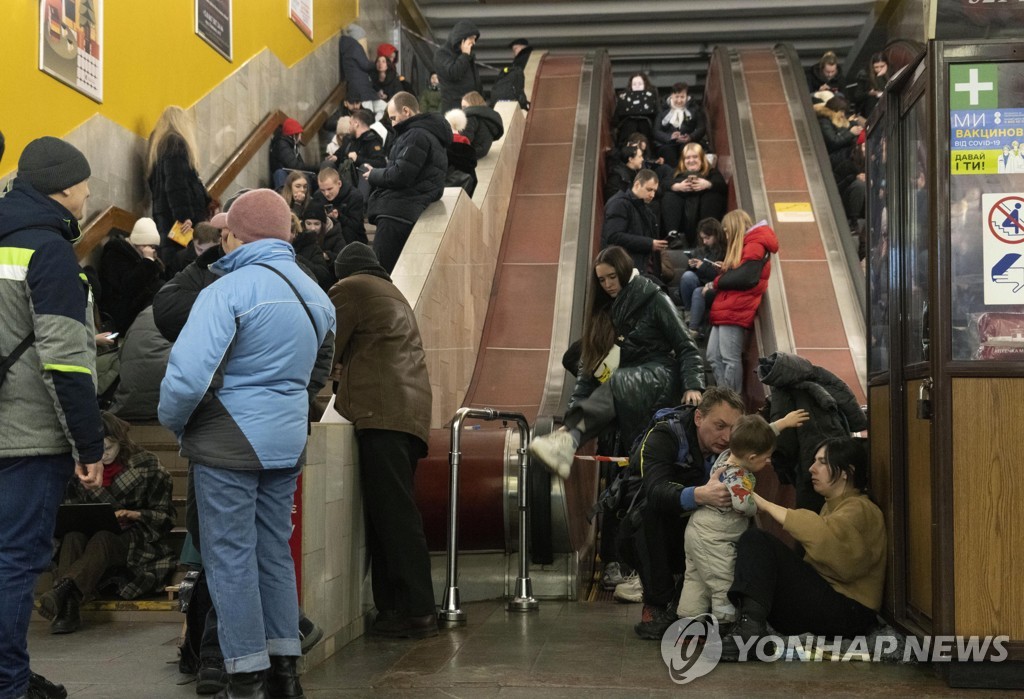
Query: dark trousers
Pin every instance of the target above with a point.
(653, 544)
(389, 241)
(679, 213)
(31, 489)
(592, 414)
(399, 559)
(85, 559)
(799, 600)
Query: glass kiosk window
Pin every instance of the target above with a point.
(986, 211)
(914, 171)
(878, 211)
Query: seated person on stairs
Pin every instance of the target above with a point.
(137, 560)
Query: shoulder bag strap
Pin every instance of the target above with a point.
(294, 291)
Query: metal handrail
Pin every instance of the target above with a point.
(523, 601)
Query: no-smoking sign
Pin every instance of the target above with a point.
(1006, 218)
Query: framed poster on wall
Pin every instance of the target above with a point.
(71, 44)
(301, 12)
(213, 25)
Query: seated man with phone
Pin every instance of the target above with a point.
(343, 207)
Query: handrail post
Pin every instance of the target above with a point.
(523, 600)
(451, 610)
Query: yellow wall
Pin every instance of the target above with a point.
(152, 57)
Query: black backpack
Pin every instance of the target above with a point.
(511, 86)
(621, 497)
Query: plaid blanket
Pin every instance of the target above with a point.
(144, 485)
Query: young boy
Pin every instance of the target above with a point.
(711, 535)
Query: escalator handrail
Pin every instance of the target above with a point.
(793, 82)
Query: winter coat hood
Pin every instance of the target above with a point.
(433, 124)
(490, 119)
(838, 119)
(462, 30)
(265, 250)
(28, 208)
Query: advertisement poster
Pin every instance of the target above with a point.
(213, 25)
(986, 127)
(301, 12)
(71, 43)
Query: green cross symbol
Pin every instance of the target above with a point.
(974, 86)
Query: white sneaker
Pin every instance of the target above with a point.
(556, 450)
(631, 590)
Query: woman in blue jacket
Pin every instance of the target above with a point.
(235, 396)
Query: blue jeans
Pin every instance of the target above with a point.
(245, 521)
(31, 489)
(725, 353)
(691, 292)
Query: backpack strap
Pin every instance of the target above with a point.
(7, 362)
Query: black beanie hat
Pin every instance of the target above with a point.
(358, 258)
(314, 211)
(50, 165)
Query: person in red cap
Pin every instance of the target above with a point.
(390, 52)
(286, 153)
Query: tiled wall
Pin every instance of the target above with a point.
(447, 267)
(335, 590)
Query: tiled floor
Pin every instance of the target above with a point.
(567, 649)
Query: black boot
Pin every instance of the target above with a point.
(60, 605)
(211, 677)
(283, 678)
(69, 619)
(750, 625)
(245, 685)
(41, 688)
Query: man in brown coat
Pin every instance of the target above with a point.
(382, 388)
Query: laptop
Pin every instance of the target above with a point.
(88, 518)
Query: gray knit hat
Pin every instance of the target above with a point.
(355, 31)
(50, 165)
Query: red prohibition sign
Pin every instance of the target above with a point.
(1010, 209)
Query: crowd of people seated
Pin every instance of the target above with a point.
(842, 109)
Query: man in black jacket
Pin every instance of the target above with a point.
(630, 224)
(343, 206)
(455, 65)
(675, 482)
(413, 178)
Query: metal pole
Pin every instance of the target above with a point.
(451, 607)
(523, 600)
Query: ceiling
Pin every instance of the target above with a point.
(671, 41)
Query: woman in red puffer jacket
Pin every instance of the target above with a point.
(738, 291)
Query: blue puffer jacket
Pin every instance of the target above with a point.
(235, 388)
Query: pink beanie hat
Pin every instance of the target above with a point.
(261, 213)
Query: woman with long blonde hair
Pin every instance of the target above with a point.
(697, 191)
(636, 358)
(172, 172)
(738, 291)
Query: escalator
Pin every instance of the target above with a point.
(765, 136)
